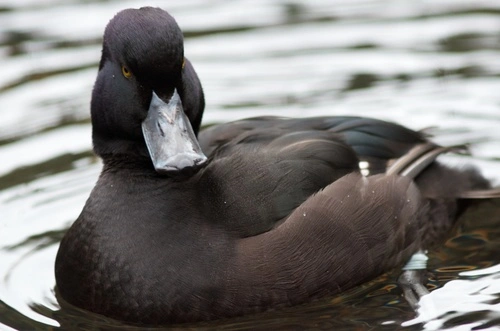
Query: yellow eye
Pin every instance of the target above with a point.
(183, 63)
(127, 73)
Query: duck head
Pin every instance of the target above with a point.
(147, 101)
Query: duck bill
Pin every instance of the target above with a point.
(170, 139)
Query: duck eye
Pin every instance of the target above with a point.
(126, 72)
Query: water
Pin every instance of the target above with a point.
(420, 63)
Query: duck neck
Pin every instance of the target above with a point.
(111, 148)
(140, 168)
(118, 163)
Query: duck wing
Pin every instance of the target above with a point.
(257, 179)
(353, 230)
(374, 141)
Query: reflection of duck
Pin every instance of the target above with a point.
(278, 214)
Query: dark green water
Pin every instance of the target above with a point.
(419, 63)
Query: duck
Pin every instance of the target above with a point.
(187, 225)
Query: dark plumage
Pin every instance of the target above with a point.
(279, 214)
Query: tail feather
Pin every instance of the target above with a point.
(492, 193)
(421, 156)
(418, 158)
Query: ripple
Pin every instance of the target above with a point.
(471, 302)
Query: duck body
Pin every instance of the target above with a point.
(249, 231)
(277, 214)
(274, 219)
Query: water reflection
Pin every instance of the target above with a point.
(472, 301)
(421, 63)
